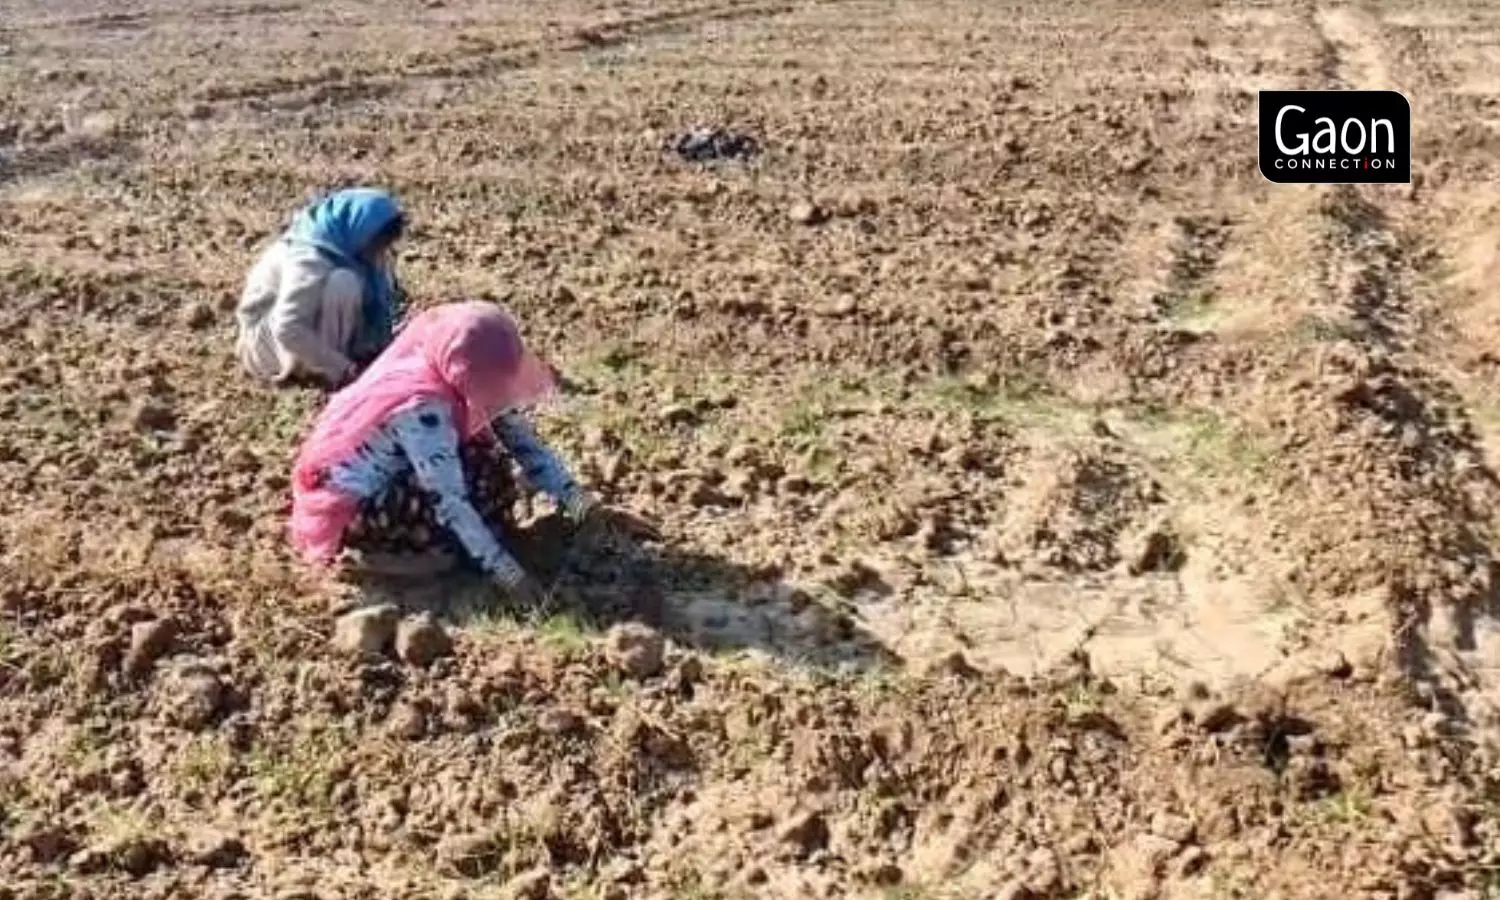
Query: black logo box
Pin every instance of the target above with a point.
(1360, 121)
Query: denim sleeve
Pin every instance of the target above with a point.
(427, 435)
(540, 465)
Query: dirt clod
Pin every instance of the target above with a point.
(1015, 889)
(637, 651)
(678, 414)
(408, 722)
(807, 833)
(88, 861)
(1172, 827)
(952, 665)
(1334, 665)
(154, 415)
(558, 721)
(367, 631)
(149, 641)
(138, 855)
(687, 672)
(1157, 550)
(1136, 868)
(1191, 862)
(1216, 715)
(199, 316)
(462, 709)
(47, 843)
(805, 212)
(1043, 872)
(1168, 719)
(474, 855)
(216, 850)
(535, 885)
(191, 695)
(420, 640)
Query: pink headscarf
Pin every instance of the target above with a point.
(468, 355)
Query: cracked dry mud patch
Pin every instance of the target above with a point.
(1053, 508)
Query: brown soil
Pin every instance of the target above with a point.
(1053, 507)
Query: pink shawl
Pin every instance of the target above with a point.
(468, 355)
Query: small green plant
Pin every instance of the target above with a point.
(1081, 702)
(301, 773)
(492, 619)
(10, 647)
(117, 824)
(1486, 416)
(1150, 413)
(618, 357)
(288, 416)
(1025, 387)
(877, 683)
(1345, 808)
(502, 852)
(957, 393)
(1207, 440)
(1016, 395)
(822, 460)
(48, 666)
(1190, 305)
(1213, 440)
(203, 763)
(564, 631)
(805, 421)
(690, 886)
(84, 745)
(1317, 329)
(1230, 886)
(616, 686)
(1489, 884)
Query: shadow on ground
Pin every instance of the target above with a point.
(698, 600)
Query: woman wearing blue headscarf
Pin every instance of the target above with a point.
(322, 300)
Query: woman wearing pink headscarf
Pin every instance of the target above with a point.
(405, 459)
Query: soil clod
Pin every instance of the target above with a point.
(191, 694)
(806, 212)
(367, 631)
(149, 641)
(421, 641)
(637, 651)
(216, 850)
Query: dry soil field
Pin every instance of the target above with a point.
(1053, 508)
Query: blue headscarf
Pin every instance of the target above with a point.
(341, 226)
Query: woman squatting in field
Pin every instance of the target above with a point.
(322, 300)
(411, 458)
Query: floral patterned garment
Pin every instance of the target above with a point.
(421, 443)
